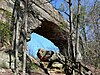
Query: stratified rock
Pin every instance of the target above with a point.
(43, 19)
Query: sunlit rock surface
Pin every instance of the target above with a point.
(43, 19)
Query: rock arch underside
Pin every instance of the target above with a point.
(54, 33)
(45, 20)
(49, 23)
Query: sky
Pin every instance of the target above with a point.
(37, 42)
(87, 3)
(57, 3)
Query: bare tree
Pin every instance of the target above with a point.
(15, 21)
(78, 55)
(25, 41)
(71, 27)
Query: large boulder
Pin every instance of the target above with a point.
(5, 60)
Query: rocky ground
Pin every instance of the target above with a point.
(51, 72)
(6, 72)
(9, 72)
(4, 67)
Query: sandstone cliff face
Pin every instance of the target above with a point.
(37, 10)
(42, 19)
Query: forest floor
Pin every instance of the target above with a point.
(9, 72)
(5, 71)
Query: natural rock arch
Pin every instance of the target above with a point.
(54, 33)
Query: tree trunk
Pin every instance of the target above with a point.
(15, 22)
(16, 49)
(78, 54)
(71, 27)
(25, 43)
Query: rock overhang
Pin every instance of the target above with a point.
(43, 19)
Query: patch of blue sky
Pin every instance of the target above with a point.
(37, 42)
(57, 3)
